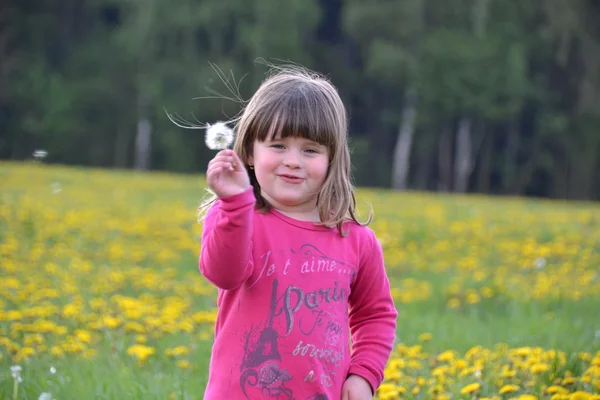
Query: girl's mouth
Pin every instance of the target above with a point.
(291, 178)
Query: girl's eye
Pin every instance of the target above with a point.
(277, 146)
(313, 151)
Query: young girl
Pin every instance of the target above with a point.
(298, 276)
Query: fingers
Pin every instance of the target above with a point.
(237, 161)
(219, 167)
(226, 158)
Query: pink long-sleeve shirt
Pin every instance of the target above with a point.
(291, 297)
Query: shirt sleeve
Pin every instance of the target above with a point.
(226, 249)
(372, 317)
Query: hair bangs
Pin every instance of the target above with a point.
(296, 114)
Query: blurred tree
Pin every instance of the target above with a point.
(440, 98)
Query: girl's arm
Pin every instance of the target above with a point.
(372, 316)
(226, 252)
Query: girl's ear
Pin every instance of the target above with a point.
(250, 161)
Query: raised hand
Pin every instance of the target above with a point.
(226, 174)
(356, 388)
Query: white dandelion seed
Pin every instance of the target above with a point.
(15, 370)
(52, 370)
(45, 396)
(56, 187)
(539, 263)
(218, 136)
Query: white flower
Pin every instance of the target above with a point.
(218, 136)
(15, 370)
(40, 154)
(45, 396)
(52, 370)
(539, 263)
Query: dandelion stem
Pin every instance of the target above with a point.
(15, 389)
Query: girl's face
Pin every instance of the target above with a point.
(290, 173)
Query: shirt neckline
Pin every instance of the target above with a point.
(299, 223)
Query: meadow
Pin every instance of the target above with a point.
(101, 297)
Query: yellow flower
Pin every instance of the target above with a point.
(556, 389)
(83, 335)
(56, 351)
(580, 395)
(487, 292)
(446, 356)
(471, 388)
(134, 327)
(508, 389)
(141, 352)
(111, 322)
(569, 380)
(454, 303)
(141, 339)
(425, 337)
(507, 372)
(540, 367)
(472, 297)
(24, 353)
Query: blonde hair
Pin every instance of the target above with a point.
(295, 102)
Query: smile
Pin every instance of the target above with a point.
(291, 178)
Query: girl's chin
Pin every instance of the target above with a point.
(293, 202)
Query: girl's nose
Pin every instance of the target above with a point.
(292, 159)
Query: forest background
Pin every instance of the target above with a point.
(486, 96)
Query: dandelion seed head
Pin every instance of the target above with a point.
(15, 371)
(52, 370)
(539, 263)
(45, 396)
(219, 136)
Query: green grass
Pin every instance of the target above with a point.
(413, 227)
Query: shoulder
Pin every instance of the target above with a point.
(362, 235)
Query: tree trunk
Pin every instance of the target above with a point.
(143, 138)
(121, 147)
(485, 165)
(465, 150)
(581, 175)
(525, 173)
(509, 167)
(480, 15)
(561, 178)
(403, 147)
(424, 172)
(463, 161)
(445, 161)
